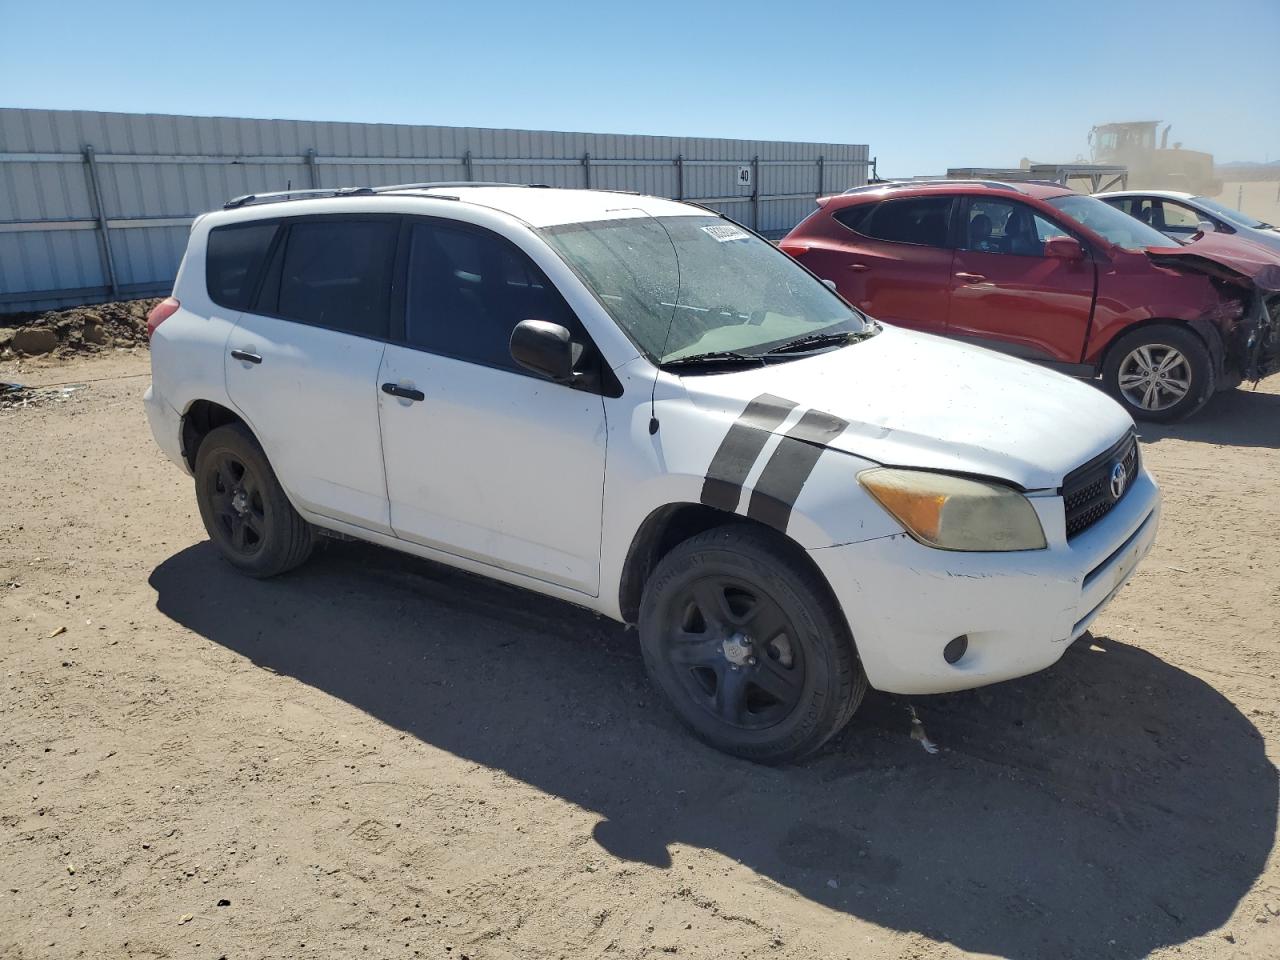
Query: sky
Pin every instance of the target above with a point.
(928, 85)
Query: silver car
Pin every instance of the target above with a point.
(1180, 215)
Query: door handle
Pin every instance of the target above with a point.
(859, 267)
(970, 277)
(246, 356)
(404, 393)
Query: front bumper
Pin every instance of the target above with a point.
(905, 602)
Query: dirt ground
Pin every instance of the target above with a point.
(374, 756)
(1258, 198)
(96, 328)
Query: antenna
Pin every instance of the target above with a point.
(675, 305)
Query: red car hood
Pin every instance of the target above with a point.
(1227, 258)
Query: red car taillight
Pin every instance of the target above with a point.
(161, 312)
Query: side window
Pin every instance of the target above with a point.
(468, 289)
(1005, 226)
(855, 217)
(924, 221)
(233, 261)
(336, 273)
(1179, 219)
(1045, 230)
(1139, 208)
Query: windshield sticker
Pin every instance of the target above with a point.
(724, 232)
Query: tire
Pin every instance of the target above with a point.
(771, 701)
(244, 508)
(1146, 369)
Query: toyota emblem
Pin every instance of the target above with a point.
(1119, 479)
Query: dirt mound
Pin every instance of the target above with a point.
(76, 330)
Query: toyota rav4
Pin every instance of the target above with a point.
(641, 407)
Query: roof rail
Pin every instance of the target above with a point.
(392, 188)
(278, 196)
(899, 184)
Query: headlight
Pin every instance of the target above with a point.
(955, 513)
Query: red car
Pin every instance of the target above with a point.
(1049, 275)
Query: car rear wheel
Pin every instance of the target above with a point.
(1161, 373)
(245, 510)
(747, 645)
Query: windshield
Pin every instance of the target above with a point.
(686, 286)
(1230, 215)
(1120, 228)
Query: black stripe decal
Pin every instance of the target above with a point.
(740, 448)
(784, 476)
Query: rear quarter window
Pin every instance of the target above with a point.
(855, 217)
(233, 261)
(923, 221)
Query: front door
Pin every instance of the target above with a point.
(1007, 295)
(483, 459)
(302, 364)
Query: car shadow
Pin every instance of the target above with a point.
(1242, 417)
(1106, 807)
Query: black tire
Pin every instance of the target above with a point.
(769, 700)
(1123, 373)
(244, 508)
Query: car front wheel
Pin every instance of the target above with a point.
(747, 645)
(1160, 373)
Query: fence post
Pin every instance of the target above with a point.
(755, 193)
(100, 214)
(311, 167)
(821, 173)
(680, 177)
(586, 170)
(466, 164)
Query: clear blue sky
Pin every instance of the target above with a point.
(927, 84)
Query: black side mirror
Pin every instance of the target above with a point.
(545, 348)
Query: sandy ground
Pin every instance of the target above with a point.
(1258, 198)
(374, 756)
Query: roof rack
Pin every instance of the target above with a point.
(898, 184)
(396, 187)
(278, 196)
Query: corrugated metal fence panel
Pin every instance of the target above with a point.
(155, 173)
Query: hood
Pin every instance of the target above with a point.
(1226, 257)
(915, 400)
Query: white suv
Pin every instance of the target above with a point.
(640, 407)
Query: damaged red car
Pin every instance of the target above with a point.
(1055, 277)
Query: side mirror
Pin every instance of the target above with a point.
(829, 284)
(543, 347)
(1206, 226)
(1064, 248)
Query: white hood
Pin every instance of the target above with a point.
(916, 400)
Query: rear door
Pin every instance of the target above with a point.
(302, 363)
(485, 460)
(892, 259)
(1007, 295)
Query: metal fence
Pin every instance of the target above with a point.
(96, 206)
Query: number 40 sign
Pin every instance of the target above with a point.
(744, 176)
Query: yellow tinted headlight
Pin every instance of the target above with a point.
(956, 513)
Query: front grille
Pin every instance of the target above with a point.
(1086, 492)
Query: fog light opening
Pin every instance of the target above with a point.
(956, 648)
